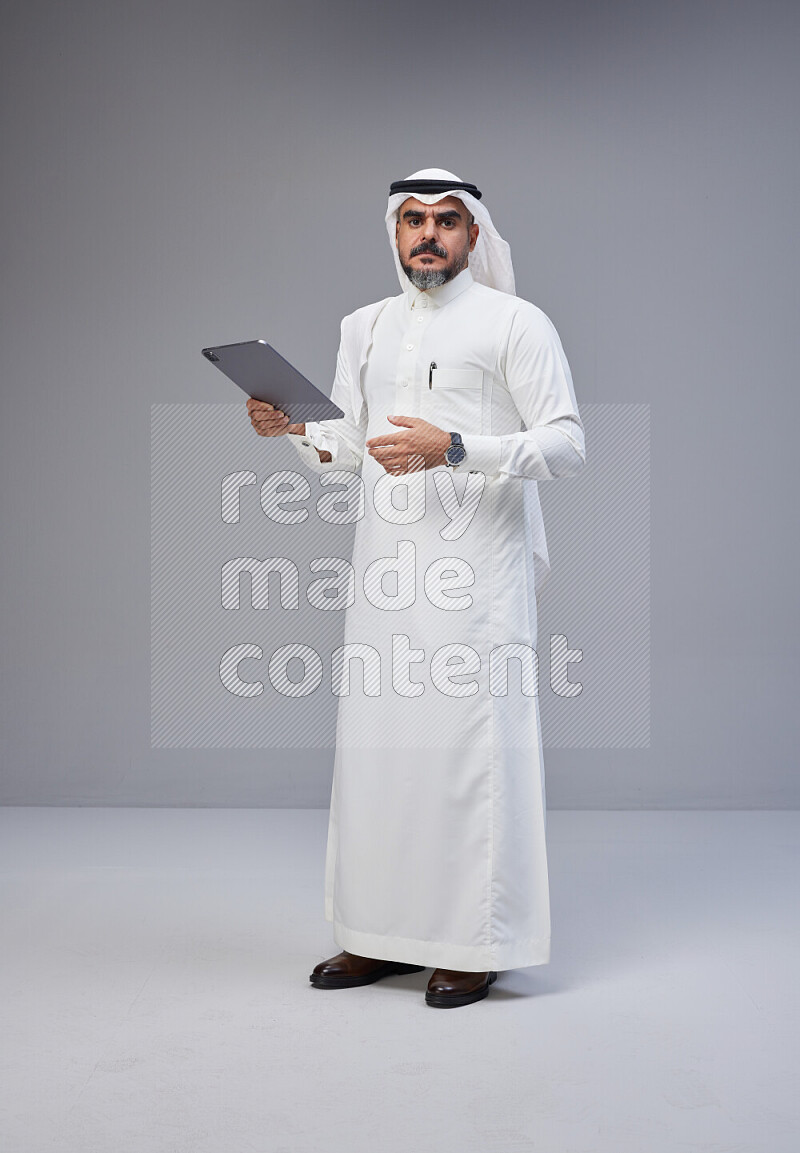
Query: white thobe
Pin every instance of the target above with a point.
(436, 848)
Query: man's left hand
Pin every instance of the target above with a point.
(416, 445)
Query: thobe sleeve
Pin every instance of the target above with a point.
(343, 438)
(538, 377)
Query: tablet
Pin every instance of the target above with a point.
(263, 373)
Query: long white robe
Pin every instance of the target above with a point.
(436, 841)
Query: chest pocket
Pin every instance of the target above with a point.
(455, 399)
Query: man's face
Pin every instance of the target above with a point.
(434, 240)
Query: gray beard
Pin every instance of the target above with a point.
(425, 278)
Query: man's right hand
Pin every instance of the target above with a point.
(270, 421)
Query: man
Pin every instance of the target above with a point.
(436, 840)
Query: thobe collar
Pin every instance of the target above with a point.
(442, 294)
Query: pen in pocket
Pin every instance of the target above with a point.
(430, 374)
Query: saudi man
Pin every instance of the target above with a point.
(457, 401)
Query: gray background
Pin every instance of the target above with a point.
(183, 174)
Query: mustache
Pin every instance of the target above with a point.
(433, 249)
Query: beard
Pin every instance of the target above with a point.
(425, 278)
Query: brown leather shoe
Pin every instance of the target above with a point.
(450, 987)
(346, 970)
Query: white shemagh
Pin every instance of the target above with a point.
(490, 260)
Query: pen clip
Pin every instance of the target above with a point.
(430, 373)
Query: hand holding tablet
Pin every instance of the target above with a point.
(270, 421)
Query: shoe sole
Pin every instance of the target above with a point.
(453, 1000)
(390, 969)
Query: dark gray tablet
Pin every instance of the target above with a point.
(263, 373)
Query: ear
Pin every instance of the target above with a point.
(473, 236)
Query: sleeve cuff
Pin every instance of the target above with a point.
(483, 454)
(308, 452)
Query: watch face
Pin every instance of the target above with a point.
(455, 454)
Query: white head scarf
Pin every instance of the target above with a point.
(489, 261)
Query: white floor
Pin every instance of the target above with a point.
(155, 970)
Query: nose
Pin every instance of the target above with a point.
(430, 231)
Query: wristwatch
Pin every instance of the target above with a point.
(456, 453)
